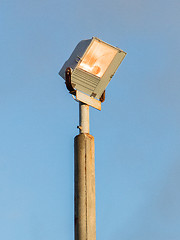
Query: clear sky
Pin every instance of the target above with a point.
(137, 133)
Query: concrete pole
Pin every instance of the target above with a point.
(85, 213)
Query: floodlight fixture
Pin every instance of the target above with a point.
(87, 73)
(91, 67)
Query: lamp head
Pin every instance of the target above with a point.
(92, 63)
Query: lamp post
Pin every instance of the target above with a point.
(87, 73)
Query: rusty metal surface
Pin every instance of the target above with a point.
(102, 98)
(68, 81)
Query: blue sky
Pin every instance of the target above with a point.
(137, 133)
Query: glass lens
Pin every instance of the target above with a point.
(98, 58)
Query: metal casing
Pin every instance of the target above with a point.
(84, 81)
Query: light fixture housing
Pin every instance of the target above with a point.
(93, 64)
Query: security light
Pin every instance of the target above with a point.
(87, 73)
(91, 67)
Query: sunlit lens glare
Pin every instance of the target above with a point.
(98, 58)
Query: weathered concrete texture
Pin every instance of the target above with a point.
(85, 213)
